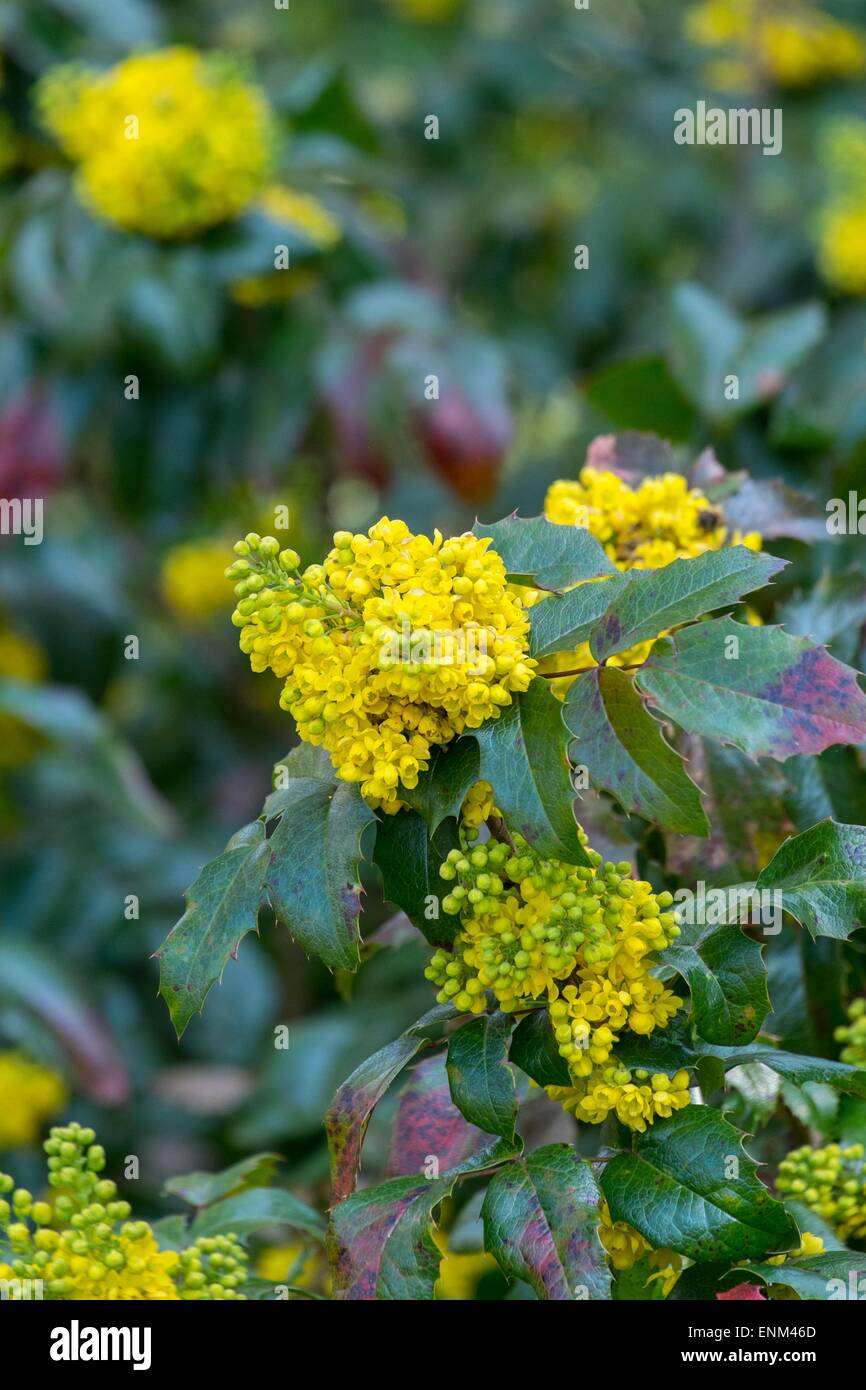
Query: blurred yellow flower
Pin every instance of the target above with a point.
(426, 11)
(193, 580)
(20, 660)
(842, 220)
(789, 42)
(167, 143)
(29, 1095)
(305, 1267)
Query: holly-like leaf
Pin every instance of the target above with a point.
(690, 1186)
(837, 1274)
(523, 757)
(380, 1240)
(313, 874)
(563, 620)
(770, 694)
(655, 600)
(540, 1219)
(538, 552)
(769, 506)
(428, 1124)
(821, 876)
(725, 972)
(409, 859)
(254, 1209)
(221, 907)
(534, 1050)
(441, 789)
(481, 1081)
(625, 752)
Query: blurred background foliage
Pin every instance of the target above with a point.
(298, 403)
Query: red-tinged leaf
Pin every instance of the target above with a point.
(766, 692)
(540, 1219)
(742, 1293)
(428, 1124)
(380, 1240)
(350, 1110)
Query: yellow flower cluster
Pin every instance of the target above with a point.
(193, 580)
(842, 219)
(831, 1181)
(789, 42)
(625, 1246)
(167, 143)
(643, 527)
(854, 1035)
(83, 1247)
(583, 939)
(395, 644)
(29, 1095)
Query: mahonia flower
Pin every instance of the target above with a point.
(426, 11)
(788, 42)
(395, 644)
(29, 1095)
(167, 143)
(643, 527)
(842, 219)
(193, 580)
(854, 1035)
(625, 1246)
(583, 940)
(831, 1181)
(84, 1247)
(20, 660)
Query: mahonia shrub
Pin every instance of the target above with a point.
(536, 740)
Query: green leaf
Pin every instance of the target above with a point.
(200, 1189)
(523, 757)
(563, 620)
(641, 395)
(769, 506)
(655, 600)
(625, 752)
(538, 552)
(313, 874)
(441, 789)
(68, 720)
(690, 1186)
(221, 907)
(428, 1123)
(534, 1050)
(380, 1242)
(254, 1209)
(709, 342)
(833, 612)
(481, 1081)
(540, 1219)
(836, 1275)
(821, 876)
(725, 972)
(769, 694)
(409, 860)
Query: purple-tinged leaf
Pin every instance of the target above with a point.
(429, 1125)
(380, 1242)
(769, 694)
(540, 1219)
